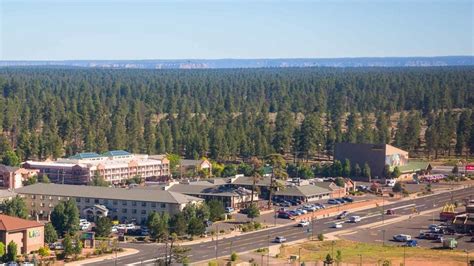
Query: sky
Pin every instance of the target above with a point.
(117, 29)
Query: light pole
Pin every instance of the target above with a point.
(217, 239)
(299, 256)
(383, 237)
(268, 249)
(467, 257)
(404, 254)
(332, 248)
(360, 260)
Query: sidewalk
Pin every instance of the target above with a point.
(111, 257)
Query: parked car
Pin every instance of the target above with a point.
(333, 201)
(341, 201)
(293, 202)
(294, 213)
(85, 226)
(279, 239)
(355, 219)
(347, 199)
(285, 204)
(336, 225)
(56, 246)
(390, 212)
(450, 243)
(129, 226)
(411, 243)
(284, 215)
(320, 205)
(229, 210)
(342, 215)
(303, 223)
(302, 210)
(402, 238)
(310, 208)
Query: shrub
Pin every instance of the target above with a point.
(320, 237)
(233, 256)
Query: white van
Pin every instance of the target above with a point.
(355, 219)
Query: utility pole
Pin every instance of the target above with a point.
(217, 240)
(268, 249)
(312, 227)
(360, 260)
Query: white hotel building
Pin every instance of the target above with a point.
(113, 166)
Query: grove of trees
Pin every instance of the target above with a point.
(233, 113)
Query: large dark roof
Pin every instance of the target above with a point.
(106, 193)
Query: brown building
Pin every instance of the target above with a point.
(377, 156)
(28, 235)
(13, 177)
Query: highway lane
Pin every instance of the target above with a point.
(263, 238)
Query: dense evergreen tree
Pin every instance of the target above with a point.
(230, 113)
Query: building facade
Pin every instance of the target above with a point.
(28, 235)
(13, 177)
(126, 205)
(113, 166)
(377, 156)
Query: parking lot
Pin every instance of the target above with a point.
(411, 227)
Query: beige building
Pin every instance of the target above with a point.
(28, 235)
(113, 166)
(121, 204)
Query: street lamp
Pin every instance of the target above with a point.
(299, 256)
(467, 257)
(360, 260)
(383, 237)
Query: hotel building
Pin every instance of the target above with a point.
(113, 166)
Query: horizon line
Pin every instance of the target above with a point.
(231, 58)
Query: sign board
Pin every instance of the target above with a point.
(470, 167)
(33, 233)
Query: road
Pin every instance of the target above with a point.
(263, 238)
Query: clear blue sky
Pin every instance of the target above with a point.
(108, 29)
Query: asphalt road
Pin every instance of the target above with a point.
(207, 251)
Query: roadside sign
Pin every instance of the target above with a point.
(470, 167)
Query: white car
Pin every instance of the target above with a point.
(81, 221)
(336, 225)
(85, 226)
(402, 238)
(121, 227)
(310, 208)
(129, 226)
(355, 219)
(303, 211)
(280, 239)
(303, 223)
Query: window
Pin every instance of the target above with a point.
(96, 201)
(59, 198)
(143, 211)
(134, 203)
(42, 204)
(41, 197)
(106, 201)
(153, 204)
(77, 199)
(124, 210)
(163, 205)
(143, 204)
(33, 196)
(115, 202)
(134, 211)
(124, 203)
(88, 200)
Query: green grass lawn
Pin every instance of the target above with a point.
(371, 253)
